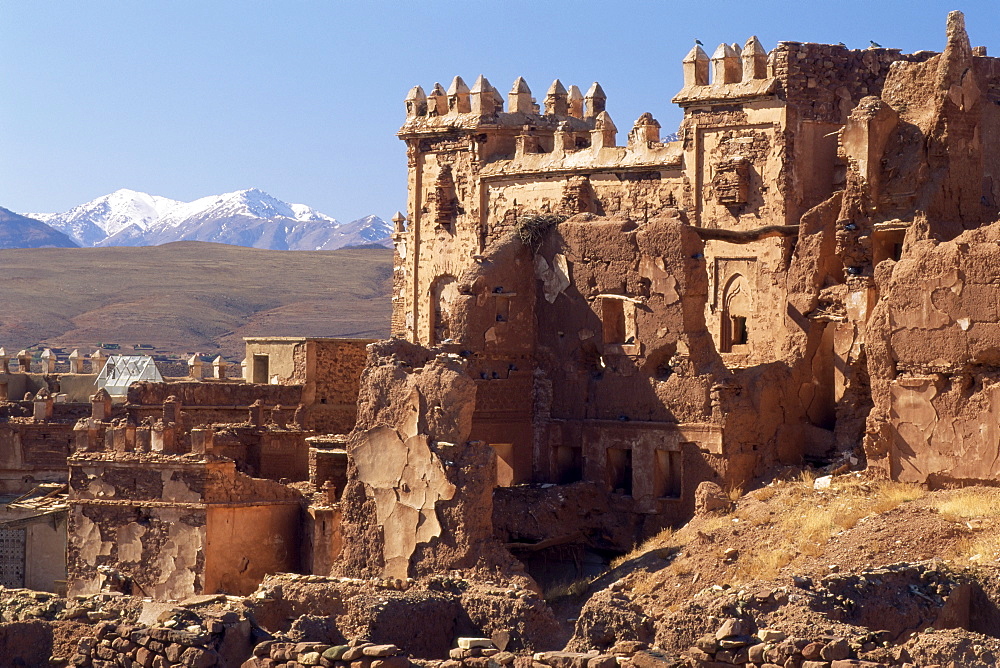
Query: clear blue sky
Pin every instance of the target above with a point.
(187, 98)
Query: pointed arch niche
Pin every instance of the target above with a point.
(737, 307)
(444, 290)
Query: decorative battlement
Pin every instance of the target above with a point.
(23, 362)
(567, 122)
(735, 73)
(483, 100)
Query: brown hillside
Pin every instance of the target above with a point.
(189, 296)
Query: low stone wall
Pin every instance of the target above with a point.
(357, 654)
(737, 642)
(159, 647)
(222, 640)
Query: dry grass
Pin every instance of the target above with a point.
(766, 564)
(791, 520)
(659, 541)
(979, 549)
(808, 519)
(890, 495)
(566, 589)
(764, 493)
(970, 503)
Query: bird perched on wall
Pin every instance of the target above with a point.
(875, 45)
(698, 42)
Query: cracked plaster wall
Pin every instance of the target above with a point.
(934, 345)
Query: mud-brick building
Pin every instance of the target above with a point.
(650, 313)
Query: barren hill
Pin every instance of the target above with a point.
(189, 296)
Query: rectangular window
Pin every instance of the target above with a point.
(613, 315)
(619, 470)
(569, 464)
(667, 480)
(505, 463)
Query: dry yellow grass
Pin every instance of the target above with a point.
(980, 549)
(889, 495)
(764, 493)
(660, 540)
(970, 503)
(792, 520)
(764, 565)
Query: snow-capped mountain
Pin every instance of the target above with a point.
(242, 218)
(91, 223)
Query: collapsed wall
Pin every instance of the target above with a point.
(418, 498)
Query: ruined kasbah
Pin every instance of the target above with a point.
(722, 397)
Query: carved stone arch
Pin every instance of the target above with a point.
(444, 290)
(737, 306)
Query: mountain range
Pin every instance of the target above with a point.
(18, 231)
(243, 218)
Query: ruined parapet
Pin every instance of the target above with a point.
(646, 131)
(256, 417)
(172, 410)
(43, 405)
(163, 438)
(244, 365)
(219, 368)
(4, 361)
(24, 361)
(100, 405)
(202, 440)
(437, 101)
